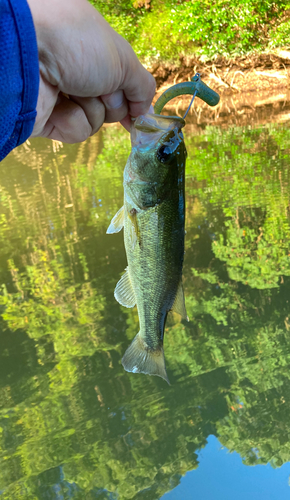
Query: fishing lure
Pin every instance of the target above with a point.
(196, 87)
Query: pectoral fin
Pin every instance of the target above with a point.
(124, 292)
(179, 303)
(117, 222)
(139, 358)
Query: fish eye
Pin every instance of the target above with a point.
(164, 154)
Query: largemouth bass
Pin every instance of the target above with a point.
(153, 221)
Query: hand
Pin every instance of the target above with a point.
(81, 56)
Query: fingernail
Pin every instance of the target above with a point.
(114, 100)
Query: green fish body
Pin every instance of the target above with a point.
(153, 221)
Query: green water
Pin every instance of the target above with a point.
(73, 423)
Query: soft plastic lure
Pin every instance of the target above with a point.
(195, 87)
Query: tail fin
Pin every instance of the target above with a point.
(139, 358)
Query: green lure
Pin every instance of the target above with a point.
(195, 87)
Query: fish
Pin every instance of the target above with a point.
(153, 218)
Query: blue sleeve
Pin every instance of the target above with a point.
(19, 74)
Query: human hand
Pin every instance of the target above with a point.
(81, 56)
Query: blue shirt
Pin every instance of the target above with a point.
(19, 74)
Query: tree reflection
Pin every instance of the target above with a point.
(72, 422)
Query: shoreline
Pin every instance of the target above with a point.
(252, 89)
(244, 109)
(229, 76)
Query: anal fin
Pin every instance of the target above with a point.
(124, 292)
(179, 303)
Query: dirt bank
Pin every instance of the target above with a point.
(242, 74)
(255, 88)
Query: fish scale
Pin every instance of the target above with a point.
(154, 268)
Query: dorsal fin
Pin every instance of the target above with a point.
(117, 222)
(179, 303)
(124, 292)
(139, 358)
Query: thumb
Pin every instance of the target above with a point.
(116, 106)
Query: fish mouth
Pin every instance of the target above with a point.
(151, 123)
(147, 129)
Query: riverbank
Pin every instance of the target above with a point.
(261, 72)
(252, 88)
(236, 45)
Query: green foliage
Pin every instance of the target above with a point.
(47, 303)
(280, 35)
(122, 16)
(255, 238)
(251, 257)
(171, 28)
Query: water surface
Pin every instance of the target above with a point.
(73, 423)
